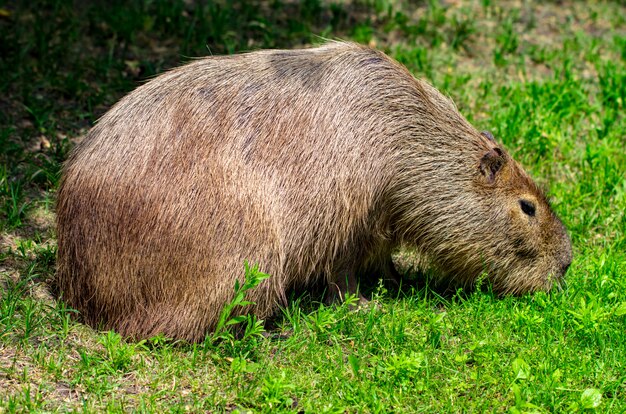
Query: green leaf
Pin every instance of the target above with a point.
(354, 363)
(621, 309)
(591, 398)
(236, 320)
(245, 303)
(521, 369)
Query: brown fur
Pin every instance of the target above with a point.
(313, 163)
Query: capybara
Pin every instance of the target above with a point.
(314, 164)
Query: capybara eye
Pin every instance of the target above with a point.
(527, 207)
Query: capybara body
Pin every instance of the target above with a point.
(314, 164)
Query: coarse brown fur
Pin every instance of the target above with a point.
(313, 163)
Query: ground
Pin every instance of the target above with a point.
(547, 78)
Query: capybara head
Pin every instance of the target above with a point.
(528, 246)
(496, 222)
(316, 164)
(475, 211)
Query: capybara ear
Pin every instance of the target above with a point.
(491, 163)
(488, 135)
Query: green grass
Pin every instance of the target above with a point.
(549, 80)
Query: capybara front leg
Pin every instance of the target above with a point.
(339, 287)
